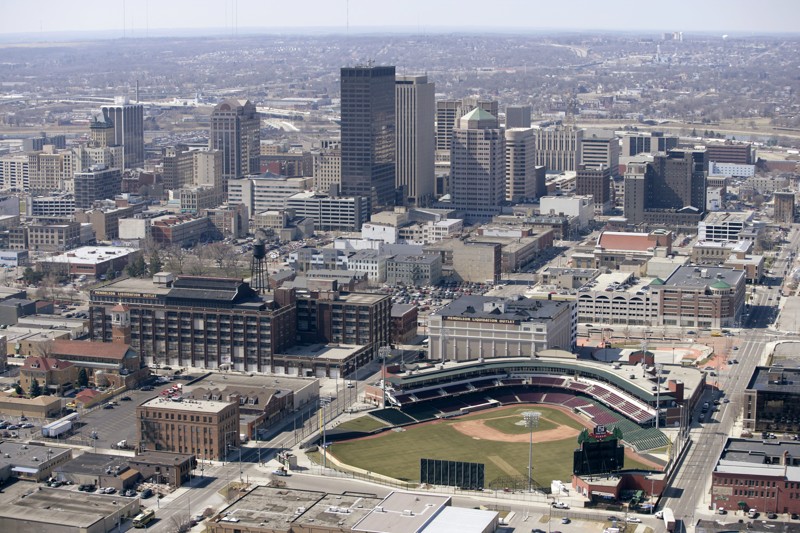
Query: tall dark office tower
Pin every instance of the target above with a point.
(595, 181)
(236, 132)
(128, 121)
(415, 144)
(518, 116)
(368, 133)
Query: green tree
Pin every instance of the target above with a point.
(36, 389)
(18, 389)
(694, 132)
(155, 263)
(83, 378)
(31, 277)
(137, 268)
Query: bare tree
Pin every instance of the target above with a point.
(180, 523)
(196, 266)
(177, 257)
(45, 348)
(219, 253)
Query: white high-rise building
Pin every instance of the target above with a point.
(128, 122)
(414, 112)
(520, 164)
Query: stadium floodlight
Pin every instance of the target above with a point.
(531, 420)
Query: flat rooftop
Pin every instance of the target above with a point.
(232, 380)
(42, 505)
(515, 309)
(199, 406)
(339, 352)
(697, 277)
(91, 254)
(95, 463)
(716, 218)
(403, 512)
(779, 379)
(342, 511)
(270, 508)
(20, 454)
(462, 520)
(137, 285)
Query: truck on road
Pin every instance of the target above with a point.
(669, 519)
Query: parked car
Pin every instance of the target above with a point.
(108, 406)
(147, 493)
(565, 520)
(634, 520)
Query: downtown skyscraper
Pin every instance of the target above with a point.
(236, 132)
(415, 101)
(127, 121)
(368, 133)
(478, 165)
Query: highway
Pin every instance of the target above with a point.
(689, 491)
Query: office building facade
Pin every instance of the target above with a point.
(478, 160)
(518, 116)
(96, 183)
(521, 173)
(595, 182)
(128, 122)
(236, 132)
(368, 136)
(784, 207)
(414, 111)
(558, 147)
(598, 149)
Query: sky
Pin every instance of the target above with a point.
(141, 18)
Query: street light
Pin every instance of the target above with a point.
(659, 366)
(531, 421)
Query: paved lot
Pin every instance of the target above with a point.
(113, 425)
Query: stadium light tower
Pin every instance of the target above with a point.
(531, 419)
(659, 366)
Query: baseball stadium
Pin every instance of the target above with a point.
(473, 411)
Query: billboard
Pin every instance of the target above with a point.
(451, 473)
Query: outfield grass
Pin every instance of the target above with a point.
(397, 454)
(364, 423)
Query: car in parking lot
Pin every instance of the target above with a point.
(147, 493)
(125, 399)
(108, 406)
(634, 520)
(772, 516)
(147, 388)
(565, 520)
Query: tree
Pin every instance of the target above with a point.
(155, 263)
(83, 378)
(18, 390)
(177, 259)
(180, 523)
(36, 389)
(31, 277)
(137, 268)
(219, 252)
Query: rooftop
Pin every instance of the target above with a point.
(337, 352)
(28, 455)
(462, 520)
(199, 406)
(95, 464)
(778, 378)
(270, 508)
(106, 350)
(693, 277)
(717, 218)
(516, 310)
(91, 254)
(620, 240)
(79, 513)
(403, 512)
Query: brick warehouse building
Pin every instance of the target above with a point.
(202, 428)
(755, 474)
(215, 322)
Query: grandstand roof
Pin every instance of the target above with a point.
(504, 366)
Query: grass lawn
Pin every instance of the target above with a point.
(397, 454)
(363, 423)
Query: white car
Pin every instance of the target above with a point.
(634, 520)
(659, 514)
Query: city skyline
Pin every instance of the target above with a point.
(148, 19)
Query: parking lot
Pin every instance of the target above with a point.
(112, 425)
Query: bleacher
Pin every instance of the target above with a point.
(531, 397)
(483, 383)
(427, 394)
(393, 416)
(576, 402)
(557, 398)
(600, 415)
(578, 386)
(456, 389)
(512, 381)
(506, 399)
(544, 381)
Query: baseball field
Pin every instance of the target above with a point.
(496, 437)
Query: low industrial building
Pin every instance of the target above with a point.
(91, 261)
(91, 513)
(275, 510)
(724, 226)
(98, 470)
(31, 462)
(39, 407)
(175, 469)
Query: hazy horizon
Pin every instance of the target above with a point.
(92, 19)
